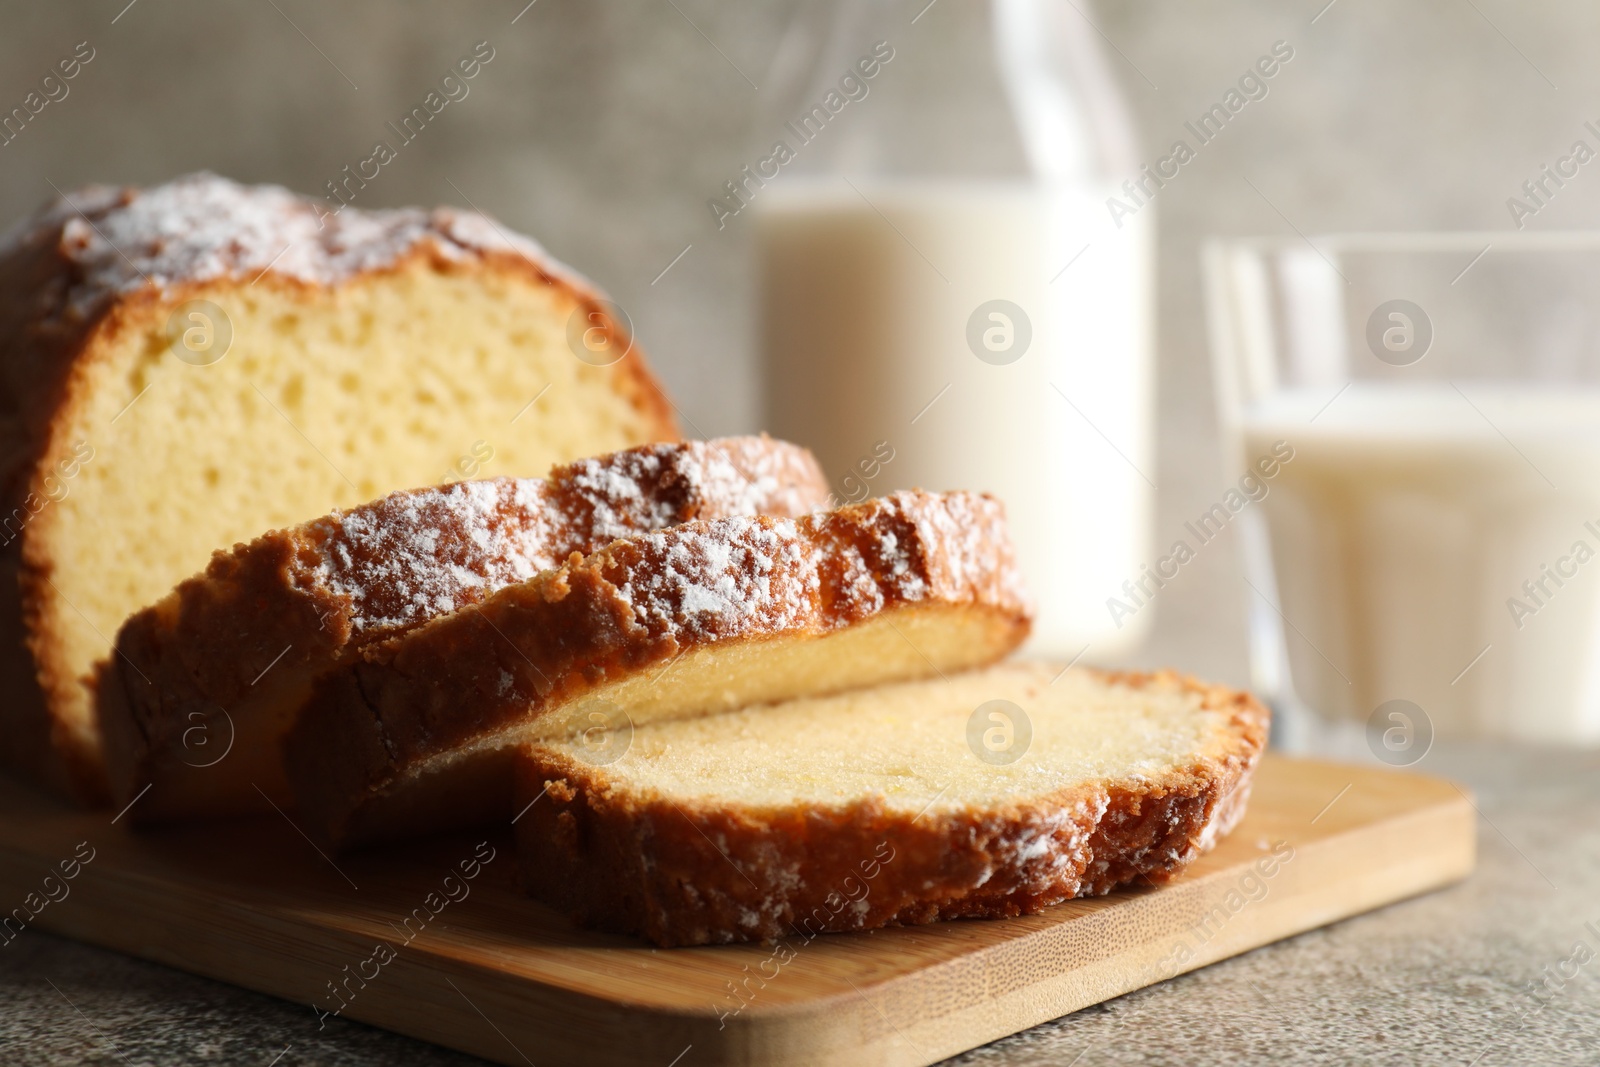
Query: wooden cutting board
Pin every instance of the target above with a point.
(468, 963)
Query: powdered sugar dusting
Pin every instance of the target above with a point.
(414, 555)
(720, 578)
(753, 575)
(417, 554)
(660, 485)
(202, 227)
(624, 493)
(745, 472)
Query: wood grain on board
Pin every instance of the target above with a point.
(406, 940)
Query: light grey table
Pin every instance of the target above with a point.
(1503, 969)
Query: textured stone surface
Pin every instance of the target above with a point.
(1440, 979)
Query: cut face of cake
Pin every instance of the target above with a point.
(184, 367)
(416, 734)
(206, 681)
(992, 793)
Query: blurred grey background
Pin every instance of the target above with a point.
(602, 126)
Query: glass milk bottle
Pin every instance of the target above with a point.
(948, 299)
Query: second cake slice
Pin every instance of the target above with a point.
(416, 734)
(205, 682)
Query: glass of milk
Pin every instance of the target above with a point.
(1420, 418)
(948, 298)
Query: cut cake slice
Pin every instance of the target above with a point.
(897, 804)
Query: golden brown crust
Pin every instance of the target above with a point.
(689, 873)
(531, 649)
(43, 339)
(102, 262)
(264, 620)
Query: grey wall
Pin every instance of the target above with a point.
(602, 127)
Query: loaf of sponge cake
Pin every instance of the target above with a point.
(184, 367)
